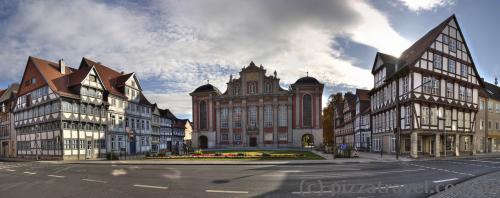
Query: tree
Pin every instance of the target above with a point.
(328, 119)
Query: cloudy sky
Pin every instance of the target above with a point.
(176, 46)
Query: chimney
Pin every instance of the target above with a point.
(62, 66)
(496, 81)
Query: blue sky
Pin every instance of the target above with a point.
(175, 46)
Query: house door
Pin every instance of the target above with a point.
(89, 151)
(432, 147)
(203, 142)
(5, 147)
(253, 141)
(132, 147)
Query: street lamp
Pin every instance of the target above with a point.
(443, 118)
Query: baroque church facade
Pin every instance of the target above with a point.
(255, 111)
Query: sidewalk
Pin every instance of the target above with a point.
(482, 186)
(363, 158)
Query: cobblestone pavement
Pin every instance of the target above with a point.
(483, 186)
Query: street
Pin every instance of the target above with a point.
(377, 179)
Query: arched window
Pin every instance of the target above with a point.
(203, 115)
(306, 110)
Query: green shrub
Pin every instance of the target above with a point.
(198, 152)
(110, 156)
(218, 154)
(241, 154)
(161, 155)
(266, 155)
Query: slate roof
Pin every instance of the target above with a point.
(492, 91)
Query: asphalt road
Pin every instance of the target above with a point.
(388, 179)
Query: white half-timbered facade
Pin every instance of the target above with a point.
(426, 100)
(59, 112)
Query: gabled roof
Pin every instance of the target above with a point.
(6, 94)
(143, 99)
(50, 72)
(415, 51)
(362, 94)
(386, 60)
(108, 76)
(492, 91)
(77, 77)
(167, 114)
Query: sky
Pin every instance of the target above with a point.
(175, 46)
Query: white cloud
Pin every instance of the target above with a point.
(422, 5)
(181, 44)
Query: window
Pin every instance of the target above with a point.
(282, 136)
(93, 78)
(451, 66)
(468, 93)
(490, 106)
(268, 116)
(464, 70)
(252, 117)
(460, 119)
(453, 45)
(431, 85)
(224, 137)
(236, 89)
(425, 115)
(307, 110)
(224, 118)
(268, 137)
(268, 87)
(33, 80)
(405, 84)
(282, 116)
(446, 39)
(203, 115)
(438, 61)
(434, 116)
(237, 117)
(467, 120)
(237, 137)
(448, 118)
(461, 93)
(449, 90)
(498, 108)
(481, 125)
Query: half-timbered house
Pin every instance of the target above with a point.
(425, 101)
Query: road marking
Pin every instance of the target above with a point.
(291, 171)
(313, 192)
(92, 180)
(148, 186)
(30, 173)
(445, 180)
(10, 170)
(57, 176)
(226, 191)
(388, 187)
(486, 161)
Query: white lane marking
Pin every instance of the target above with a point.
(30, 173)
(400, 171)
(227, 191)
(313, 192)
(445, 180)
(10, 170)
(292, 171)
(442, 170)
(343, 174)
(486, 161)
(388, 187)
(92, 180)
(118, 172)
(57, 176)
(148, 186)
